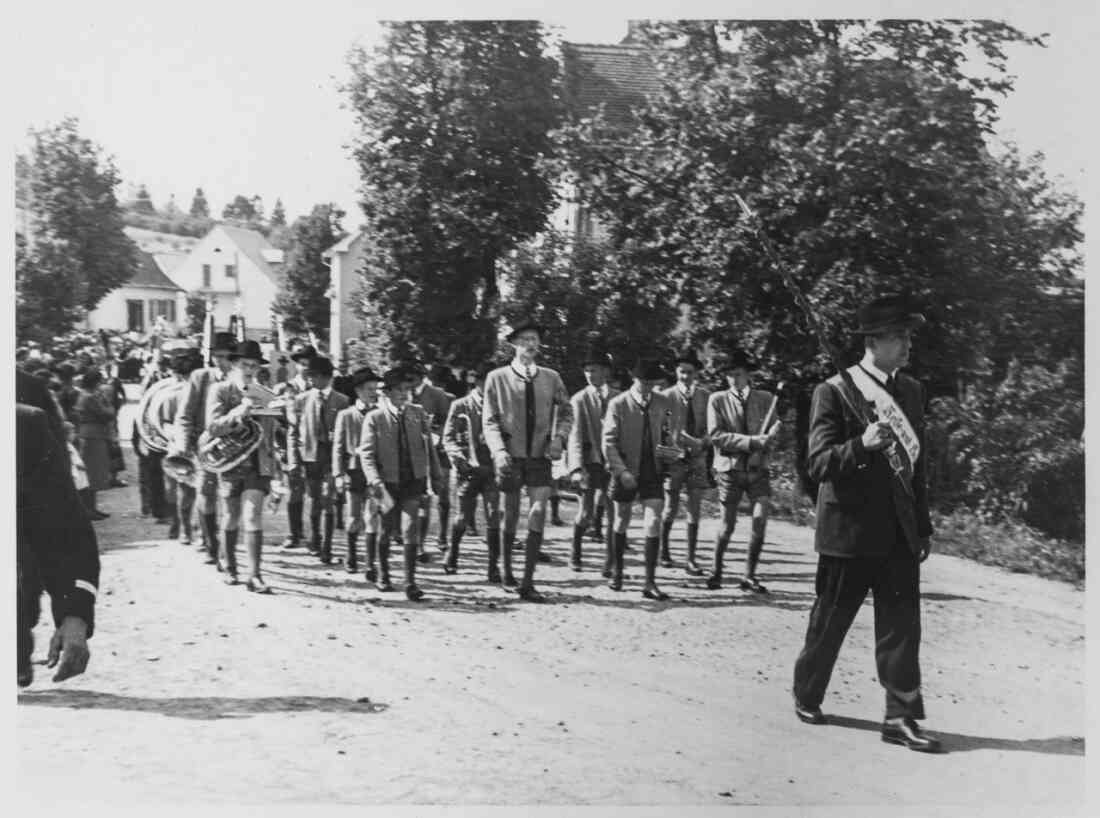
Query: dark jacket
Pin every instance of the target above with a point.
(33, 392)
(856, 516)
(55, 543)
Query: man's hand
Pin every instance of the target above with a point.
(769, 438)
(69, 645)
(576, 477)
(556, 448)
(877, 435)
(340, 483)
(925, 548)
(628, 481)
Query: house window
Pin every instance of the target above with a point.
(162, 307)
(206, 275)
(135, 315)
(230, 271)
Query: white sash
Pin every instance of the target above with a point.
(888, 410)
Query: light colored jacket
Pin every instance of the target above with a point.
(191, 414)
(435, 402)
(463, 428)
(733, 448)
(623, 427)
(586, 436)
(346, 436)
(698, 407)
(312, 419)
(378, 445)
(504, 415)
(224, 397)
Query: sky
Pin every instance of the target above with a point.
(243, 97)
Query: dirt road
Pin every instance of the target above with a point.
(328, 691)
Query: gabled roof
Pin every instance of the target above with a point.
(617, 76)
(255, 246)
(344, 245)
(149, 274)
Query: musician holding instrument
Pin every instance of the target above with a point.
(245, 457)
(464, 440)
(873, 524)
(190, 424)
(742, 425)
(688, 475)
(641, 433)
(527, 422)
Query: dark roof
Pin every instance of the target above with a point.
(616, 76)
(149, 274)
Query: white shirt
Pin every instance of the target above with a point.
(634, 393)
(524, 371)
(687, 392)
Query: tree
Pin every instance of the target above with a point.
(278, 215)
(142, 203)
(171, 209)
(242, 209)
(76, 241)
(454, 118)
(48, 290)
(303, 299)
(863, 147)
(199, 208)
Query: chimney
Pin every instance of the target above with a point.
(633, 32)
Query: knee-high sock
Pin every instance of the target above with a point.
(492, 538)
(295, 512)
(531, 556)
(693, 539)
(444, 514)
(384, 558)
(353, 556)
(254, 540)
(229, 550)
(578, 535)
(720, 546)
(652, 547)
(618, 555)
(410, 564)
(330, 522)
(209, 524)
(666, 531)
(507, 544)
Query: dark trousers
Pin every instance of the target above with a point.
(151, 484)
(842, 585)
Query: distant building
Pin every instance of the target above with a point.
(136, 305)
(234, 268)
(344, 258)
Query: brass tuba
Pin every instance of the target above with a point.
(224, 453)
(149, 423)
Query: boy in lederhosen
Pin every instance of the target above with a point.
(588, 469)
(639, 441)
(398, 460)
(429, 395)
(472, 466)
(347, 470)
(689, 473)
(527, 421)
(242, 490)
(298, 385)
(735, 420)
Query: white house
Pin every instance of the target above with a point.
(138, 303)
(236, 269)
(345, 259)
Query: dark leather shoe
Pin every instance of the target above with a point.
(372, 575)
(529, 594)
(576, 566)
(292, 542)
(510, 581)
(654, 593)
(424, 557)
(714, 582)
(544, 557)
(616, 583)
(692, 569)
(753, 585)
(666, 562)
(351, 566)
(231, 578)
(907, 732)
(258, 586)
(385, 585)
(809, 715)
(494, 575)
(449, 569)
(413, 593)
(326, 559)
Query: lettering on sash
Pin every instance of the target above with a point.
(888, 410)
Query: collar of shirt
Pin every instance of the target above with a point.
(638, 399)
(687, 392)
(527, 373)
(324, 393)
(741, 394)
(868, 364)
(362, 407)
(475, 396)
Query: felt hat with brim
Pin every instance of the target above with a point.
(320, 366)
(398, 376)
(887, 313)
(522, 326)
(648, 369)
(597, 357)
(249, 351)
(362, 376)
(303, 354)
(688, 357)
(738, 359)
(224, 342)
(440, 373)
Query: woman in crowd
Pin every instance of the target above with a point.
(95, 417)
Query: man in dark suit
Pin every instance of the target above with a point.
(873, 525)
(56, 549)
(34, 392)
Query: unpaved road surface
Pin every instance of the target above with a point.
(328, 691)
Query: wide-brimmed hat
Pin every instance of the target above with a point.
(224, 342)
(648, 369)
(363, 375)
(597, 357)
(249, 350)
(320, 365)
(305, 353)
(737, 359)
(688, 356)
(397, 376)
(522, 326)
(888, 312)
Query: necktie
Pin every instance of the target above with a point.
(529, 411)
(744, 424)
(689, 419)
(404, 461)
(892, 385)
(322, 421)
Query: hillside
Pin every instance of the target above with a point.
(154, 242)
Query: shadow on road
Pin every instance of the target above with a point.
(203, 708)
(961, 743)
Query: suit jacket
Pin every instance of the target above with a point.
(95, 417)
(436, 403)
(55, 544)
(464, 422)
(34, 392)
(310, 419)
(378, 445)
(586, 436)
(224, 397)
(697, 406)
(191, 415)
(732, 448)
(855, 505)
(346, 436)
(623, 429)
(505, 411)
